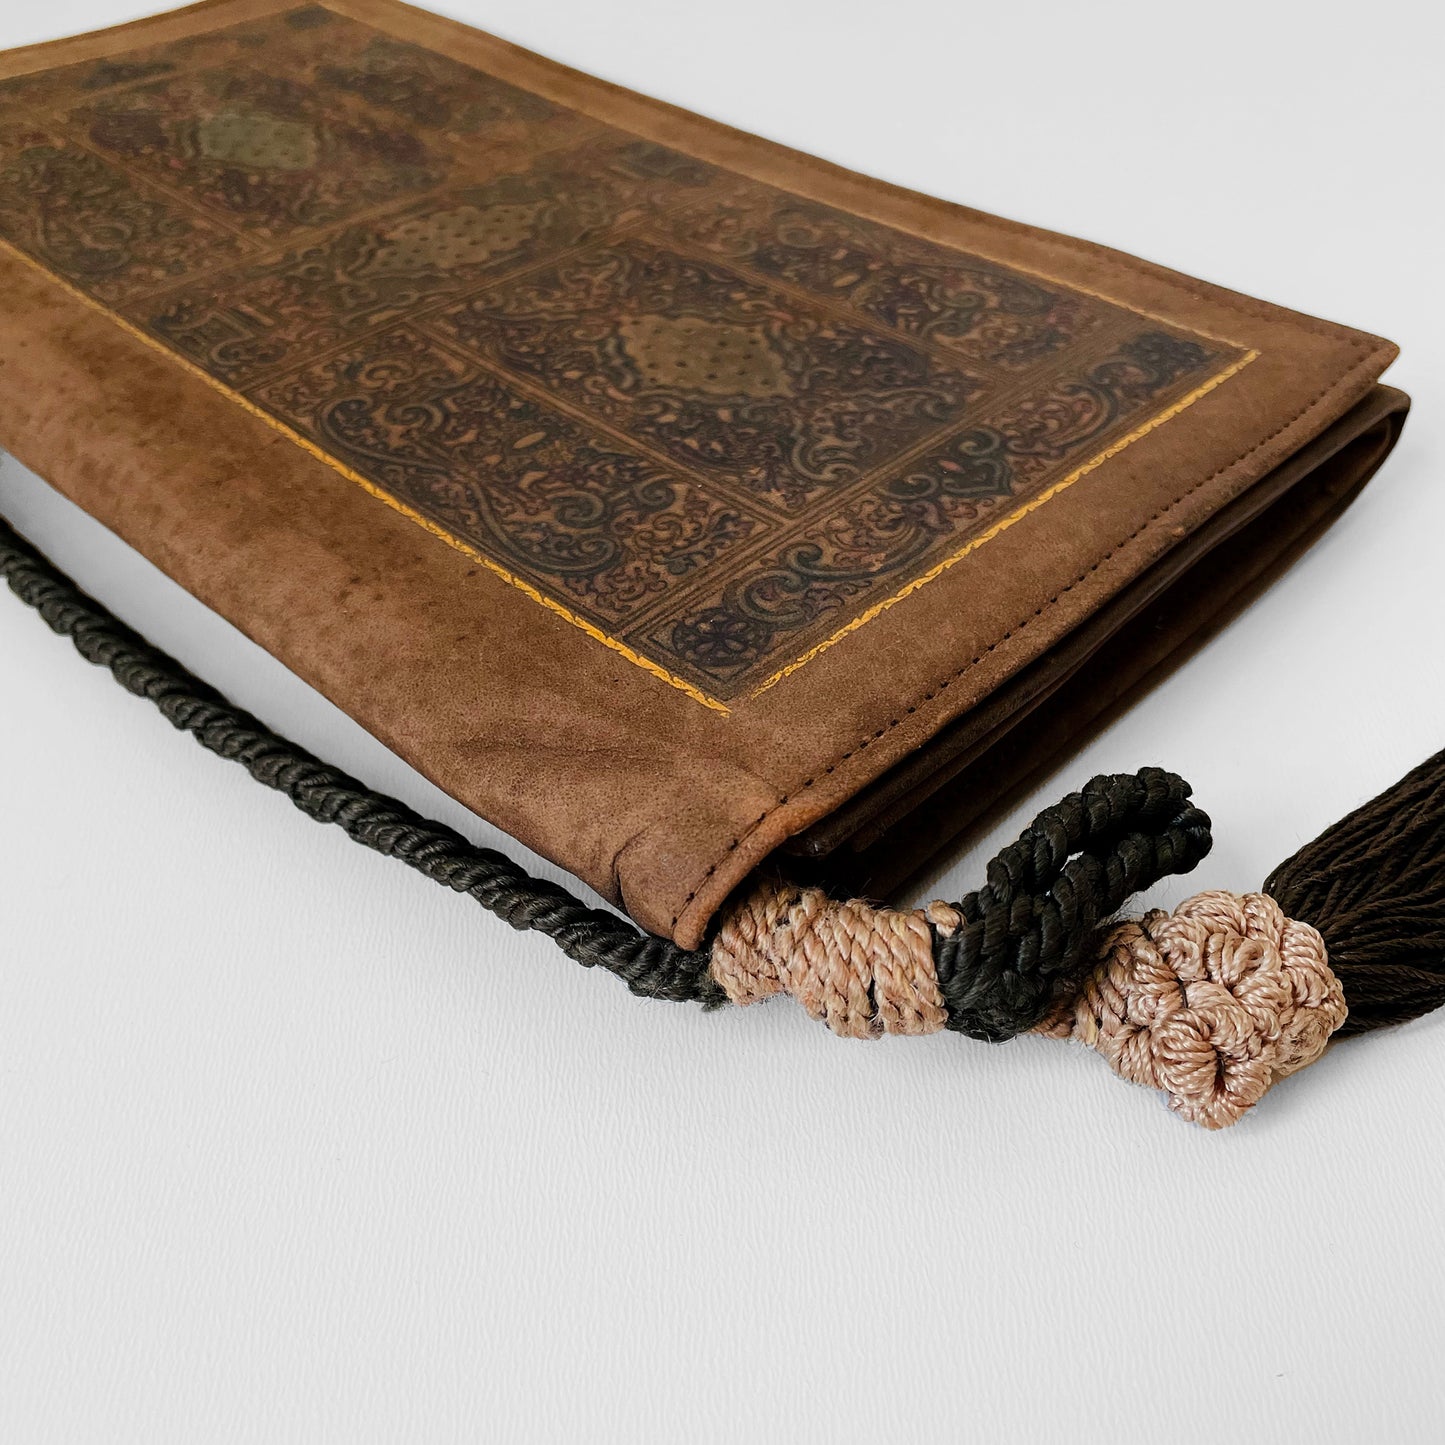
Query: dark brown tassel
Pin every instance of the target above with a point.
(1374, 886)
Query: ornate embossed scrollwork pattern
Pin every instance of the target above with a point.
(260, 147)
(431, 90)
(546, 495)
(959, 302)
(359, 276)
(713, 421)
(89, 222)
(723, 375)
(920, 512)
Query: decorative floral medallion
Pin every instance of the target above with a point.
(713, 422)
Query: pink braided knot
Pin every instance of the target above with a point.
(862, 970)
(1211, 1003)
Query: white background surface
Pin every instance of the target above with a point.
(291, 1150)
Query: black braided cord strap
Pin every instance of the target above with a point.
(1026, 934)
(649, 966)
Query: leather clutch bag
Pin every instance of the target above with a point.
(673, 500)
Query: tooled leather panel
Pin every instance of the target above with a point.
(715, 424)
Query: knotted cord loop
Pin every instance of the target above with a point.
(990, 966)
(1028, 932)
(1211, 1003)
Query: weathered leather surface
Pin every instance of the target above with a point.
(655, 490)
(897, 825)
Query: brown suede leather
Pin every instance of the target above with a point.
(892, 720)
(896, 826)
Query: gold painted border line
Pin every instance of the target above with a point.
(261, 9)
(370, 487)
(974, 543)
(566, 613)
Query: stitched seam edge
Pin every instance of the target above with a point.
(1016, 630)
(1114, 258)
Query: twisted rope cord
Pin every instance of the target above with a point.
(651, 967)
(990, 967)
(861, 970)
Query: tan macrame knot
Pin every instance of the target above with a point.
(1211, 1003)
(861, 970)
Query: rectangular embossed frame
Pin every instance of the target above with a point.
(666, 496)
